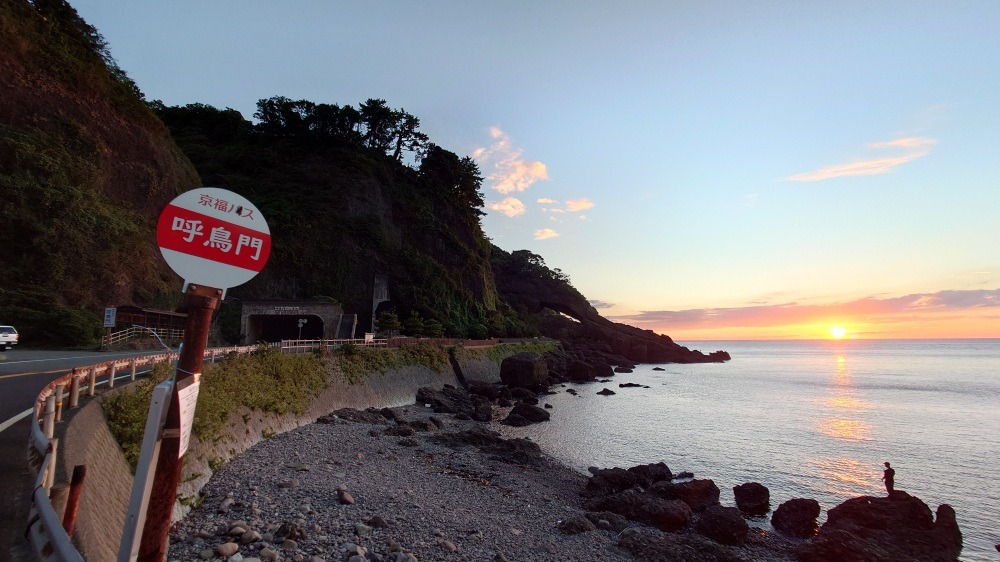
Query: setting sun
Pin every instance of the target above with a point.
(837, 332)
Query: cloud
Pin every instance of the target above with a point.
(860, 310)
(545, 234)
(581, 204)
(912, 147)
(510, 206)
(546, 201)
(582, 217)
(600, 304)
(506, 171)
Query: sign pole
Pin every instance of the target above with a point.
(201, 302)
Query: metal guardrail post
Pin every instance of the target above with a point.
(74, 392)
(73, 500)
(134, 362)
(50, 477)
(59, 402)
(50, 416)
(111, 375)
(92, 382)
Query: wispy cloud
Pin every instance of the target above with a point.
(546, 201)
(545, 234)
(577, 205)
(510, 206)
(860, 310)
(507, 171)
(911, 148)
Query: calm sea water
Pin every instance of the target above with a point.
(811, 419)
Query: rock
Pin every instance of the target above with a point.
(659, 369)
(288, 484)
(227, 549)
(571, 391)
(698, 494)
(612, 480)
(797, 517)
(400, 430)
(548, 406)
(650, 546)
(226, 503)
(667, 515)
(723, 525)
(289, 544)
(447, 545)
(606, 392)
(629, 385)
(345, 497)
(524, 370)
(576, 525)
(269, 554)
(235, 558)
(752, 498)
(378, 522)
(362, 530)
(289, 530)
(249, 537)
(206, 554)
(357, 558)
(533, 414)
(622, 369)
(580, 371)
(900, 527)
(683, 474)
(515, 451)
(607, 520)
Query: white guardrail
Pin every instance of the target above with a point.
(48, 530)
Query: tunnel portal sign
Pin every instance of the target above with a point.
(213, 237)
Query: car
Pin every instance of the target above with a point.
(8, 337)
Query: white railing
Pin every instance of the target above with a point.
(306, 346)
(48, 537)
(120, 336)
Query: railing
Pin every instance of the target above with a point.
(115, 338)
(306, 346)
(48, 537)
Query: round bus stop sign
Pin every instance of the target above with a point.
(213, 237)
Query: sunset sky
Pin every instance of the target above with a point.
(709, 170)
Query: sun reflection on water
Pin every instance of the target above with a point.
(844, 476)
(844, 421)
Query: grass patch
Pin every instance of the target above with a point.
(265, 380)
(357, 362)
(502, 351)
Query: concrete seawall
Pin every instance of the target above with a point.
(105, 496)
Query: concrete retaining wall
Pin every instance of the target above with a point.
(105, 496)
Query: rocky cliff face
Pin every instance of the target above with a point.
(85, 168)
(529, 286)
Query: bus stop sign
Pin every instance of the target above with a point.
(213, 237)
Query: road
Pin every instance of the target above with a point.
(23, 374)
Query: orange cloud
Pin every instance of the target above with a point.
(915, 147)
(951, 313)
(581, 204)
(510, 206)
(545, 234)
(546, 201)
(510, 173)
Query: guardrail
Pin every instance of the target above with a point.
(135, 331)
(306, 346)
(49, 538)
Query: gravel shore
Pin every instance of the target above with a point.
(362, 484)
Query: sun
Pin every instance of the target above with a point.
(837, 332)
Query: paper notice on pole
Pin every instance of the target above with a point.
(187, 400)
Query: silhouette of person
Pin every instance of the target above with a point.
(889, 475)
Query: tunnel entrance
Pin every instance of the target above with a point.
(276, 321)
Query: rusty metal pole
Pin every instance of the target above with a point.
(73, 501)
(201, 302)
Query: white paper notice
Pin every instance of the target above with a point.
(188, 398)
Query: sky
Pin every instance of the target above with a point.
(709, 170)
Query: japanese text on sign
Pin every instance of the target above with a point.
(219, 237)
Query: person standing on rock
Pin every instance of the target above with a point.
(889, 475)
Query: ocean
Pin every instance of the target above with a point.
(813, 419)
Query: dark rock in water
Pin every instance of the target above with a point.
(451, 400)
(518, 393)
(504, 402)
(651, 546)
(684, 474)
(719, 356)
(606, 392)
(666, 515)
(699, 494)
(630, 385)
(659, 369)
(752, 498)
(900, 527)
(530, 412)
(529, 400)
(548, 406)
(724, 525)
(621, 369)
(604, 381)
(571, 391)
(580, 371)
(607, 481)
(525, 370)
(797, 517)
(576, 525)
(604, 370)
(515, 420)
(486, 390)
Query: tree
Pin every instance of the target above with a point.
(388, 323)
(433, 329)
(458, 178)
(414, 325)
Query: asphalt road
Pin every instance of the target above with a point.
(23, 374)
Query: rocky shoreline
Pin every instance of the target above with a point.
(432, 482)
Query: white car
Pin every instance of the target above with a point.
(8, 337)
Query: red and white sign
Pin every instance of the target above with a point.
(213, 237)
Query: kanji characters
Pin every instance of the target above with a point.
(191, 227)
(219, 238)
(251, 242)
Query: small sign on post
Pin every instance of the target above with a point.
(214, 239)
(109, 316)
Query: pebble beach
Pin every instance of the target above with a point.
(406, 484)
